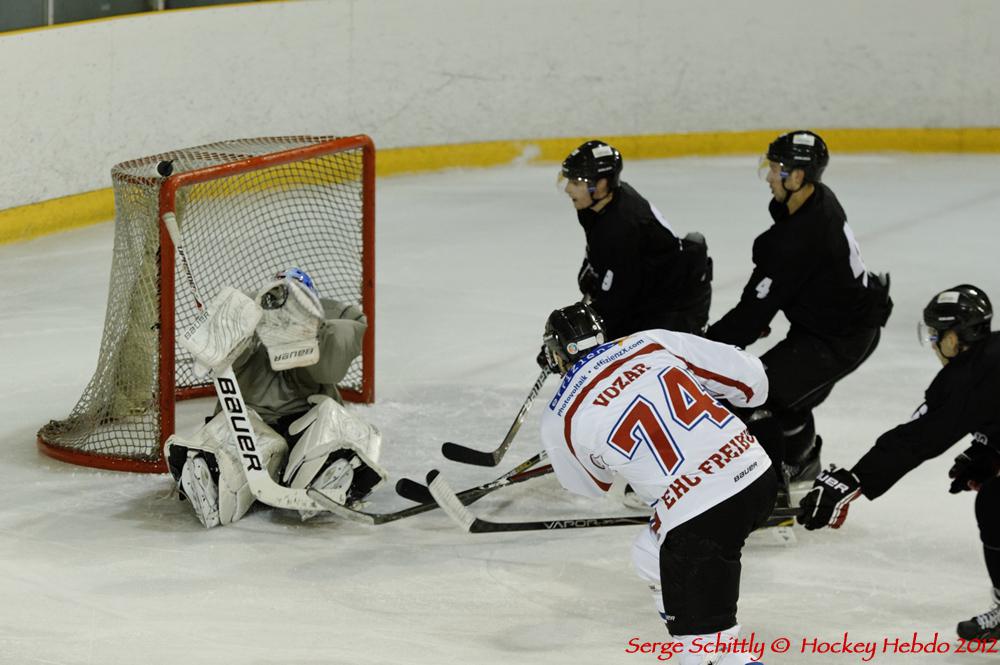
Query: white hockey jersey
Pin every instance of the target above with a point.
(644, 406)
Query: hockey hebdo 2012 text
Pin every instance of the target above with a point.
(865, 650)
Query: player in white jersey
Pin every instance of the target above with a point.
(646, 407)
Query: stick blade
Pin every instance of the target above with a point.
(459, 453)
(449, 501)
(414, 491)
(338, 509)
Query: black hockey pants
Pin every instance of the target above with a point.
(700, 560)
(988, 517)
(802, 370)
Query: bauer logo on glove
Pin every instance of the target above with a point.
(292, 315)
(222, 330)
(830, 498)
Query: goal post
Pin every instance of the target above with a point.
(247, 208)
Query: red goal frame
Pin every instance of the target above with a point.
(169, 394)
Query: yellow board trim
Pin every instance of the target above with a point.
(52, 216)
(659, 146)
(37, 219)
(144, 12)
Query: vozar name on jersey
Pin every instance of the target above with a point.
(645, 406)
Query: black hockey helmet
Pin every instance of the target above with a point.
(800, 149)
(569, 333)
(964, 309)
(592, 161)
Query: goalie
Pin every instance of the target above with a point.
(289, 349)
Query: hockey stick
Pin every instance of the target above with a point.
(516, 475)
(261, 484)
(782, 519)
(452, 505)
(780, 526)
(414, 491)
(460, 453)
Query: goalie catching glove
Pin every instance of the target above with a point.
(221, 331)
(292, 315)
(828, 501)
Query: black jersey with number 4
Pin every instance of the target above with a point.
(964, 398)
(634, 254)
(807, 265)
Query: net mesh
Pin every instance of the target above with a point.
(238, 229)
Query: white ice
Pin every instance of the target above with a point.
(107, 568)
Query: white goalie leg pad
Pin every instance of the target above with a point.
(330, 427)
(646, 561)
(222, 330)
(232, 492)
(200, 489)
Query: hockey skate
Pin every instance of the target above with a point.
(983, 626)
(334, 481)
(630, 499)
(783, 499)
(199, 486)
(800, 474)
(345, 480)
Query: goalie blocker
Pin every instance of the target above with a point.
(289, 349)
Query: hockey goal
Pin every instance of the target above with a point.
(246, 208)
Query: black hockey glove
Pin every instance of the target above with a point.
(545, 361)
(973, 467)
(827, 502)
(588, 279)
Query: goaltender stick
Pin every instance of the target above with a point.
(646, 407)
(289, 349)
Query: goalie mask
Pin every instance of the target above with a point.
(569, 333)
(292, 314)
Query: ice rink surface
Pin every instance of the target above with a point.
(105, 568)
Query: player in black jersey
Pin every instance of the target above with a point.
(808, 266)
(637, 273)
(963, 399)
